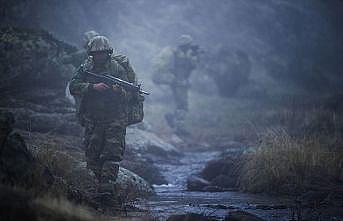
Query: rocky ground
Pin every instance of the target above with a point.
(316, 201)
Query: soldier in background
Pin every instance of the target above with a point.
(230, 69)
(173, 67)
(78, 57)
(104, 110)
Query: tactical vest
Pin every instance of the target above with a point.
(107, 106)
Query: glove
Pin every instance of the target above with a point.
(100, 86)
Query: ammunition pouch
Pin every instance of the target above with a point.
(136, 112)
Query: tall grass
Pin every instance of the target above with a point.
(286, 164)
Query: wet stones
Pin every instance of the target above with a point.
(242, 216)
(190, 217)
(218, 175)
(16, 162)
(144, 168)
(195, 183)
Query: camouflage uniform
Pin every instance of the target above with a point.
(104, 114)
(173, 67)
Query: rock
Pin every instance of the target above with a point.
(190, 217)
(220, 206)
(57, 123)
(38, 65)
(213, 189)
(217, 176)
(17, 165)
(224, 172)
(17, 204)
(313, 198)
(215, 168)
(32, 86)
(223, 181)
(144, 168)
(130, 185)
(150, 145)
(271, 207)
(195, 183)
(242, 216)
(133, 186)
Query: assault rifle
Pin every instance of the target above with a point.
(111, 80)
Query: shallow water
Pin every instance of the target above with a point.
(175, 199)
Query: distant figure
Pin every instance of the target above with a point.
(104, 110)
(173, 66)
(78, 57)
(230, 69)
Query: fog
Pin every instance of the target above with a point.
(264, 115)
(300, 39)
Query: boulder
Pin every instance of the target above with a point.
(79, 177)
(16, 204)
(144, 168)
(33, 84)
(223, 181)
(212, 188)
(190, 217)
(132, 185)
(224, 172)
(17, 165)
(195, 183)
(38, 66)
(150, 145)
(16, 162)
(242, 216)
(218, 167)
(46, 122)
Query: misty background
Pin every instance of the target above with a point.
(273, 123)
(294, 47)
(284, 32)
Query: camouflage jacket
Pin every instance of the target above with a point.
(173, 66)
(105, 106)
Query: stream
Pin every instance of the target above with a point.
(175, 199)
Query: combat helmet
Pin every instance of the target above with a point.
(89, 35)
(99, 43)
(185, 40)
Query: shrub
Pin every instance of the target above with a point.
(284, 164)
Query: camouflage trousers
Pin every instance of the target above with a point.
(181, 97)
(176, 119)
(104, 145)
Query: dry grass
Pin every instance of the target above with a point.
(61, 209)
(283, 163)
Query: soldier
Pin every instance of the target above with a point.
(173, 67)
(80, 56)
(103, 110)
(230, 70)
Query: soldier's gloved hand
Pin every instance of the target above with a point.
(100, 86)
(118, 89)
